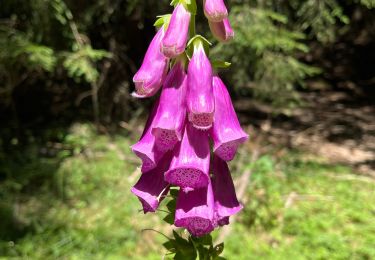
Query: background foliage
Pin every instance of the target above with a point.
(75, 50)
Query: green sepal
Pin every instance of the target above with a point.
(219, 64)
(163, 20)
(190, 5)
(195, 42)
(175, 2)
(173, 191)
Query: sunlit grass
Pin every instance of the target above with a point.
(305, 210)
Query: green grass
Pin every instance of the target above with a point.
(330, 214)
(77, 205)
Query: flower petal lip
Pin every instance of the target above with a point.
(195, 211)
(190, 164)
(151, 188)
(226, 202)
(145, 148)
(222, 30)
(176, 35)
(200, 99)
(226, 132)
(201, 120)
(222, 221)
(153, 70)
(171, 113)
(215, 10)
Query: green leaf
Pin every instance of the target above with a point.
(171, 205)
(185, 256)
(219, 249)
(39, 55)
(203, 252)
(81, 63)
(182, 244)
(218, 64)
(170, 245)
(204, 240)
(169, 218)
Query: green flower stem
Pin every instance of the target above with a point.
(192, 26)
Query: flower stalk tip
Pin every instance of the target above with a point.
(193, 112)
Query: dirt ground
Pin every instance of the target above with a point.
(334, 124)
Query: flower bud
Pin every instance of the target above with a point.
(215, 10)
(176, 36)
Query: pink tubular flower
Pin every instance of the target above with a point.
(226, 203)
(200, 99)
(222, 30)
(150, 76)
(226, 132)
(191, 162)
(195, 211)
(176, 36)
(151, 187)
(215, 10)
(170, 116)
(145, 148)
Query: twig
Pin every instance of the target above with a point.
(150, 229)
